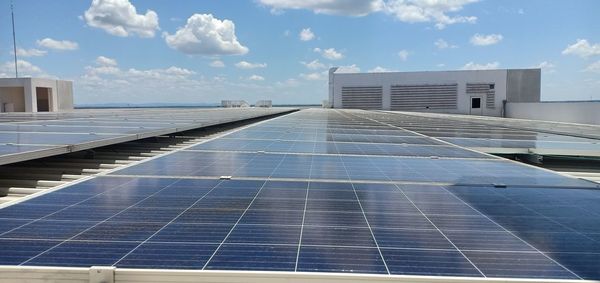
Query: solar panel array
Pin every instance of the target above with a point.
(497, 135)
(318, 191)
(25, 136)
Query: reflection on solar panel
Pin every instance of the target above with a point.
(300, 199)
(497, 135)
(26, 136)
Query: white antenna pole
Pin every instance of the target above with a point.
(12, 14)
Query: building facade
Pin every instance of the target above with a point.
(475, 92)
(234, 103)
(264, 103)
(35, 95)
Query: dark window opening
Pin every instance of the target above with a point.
(492, 86)
(475, 102)
(43, 99)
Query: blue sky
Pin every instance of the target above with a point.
(132, 51)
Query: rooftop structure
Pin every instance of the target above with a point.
(264, 103)
(35, 95)
(475, 92)
(323, 194)
(234, 103)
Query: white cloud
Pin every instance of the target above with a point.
(582, 48)
(403, 54)
(380, 69)
(288, 83)
(248, 65)
(314, 65)
(142, 87)
(593, 68)
(256, 78)
(120, 18)
(105, 61)
(206, 35)
(286, 33)
(306, 35)
(442, 44)
(355, 8)
(57, 44)
(409, 11)
(109, 67)
(324, 75)
(166, 86)
(177, 71)
(475, 66)
(546, 67)
(315, 76)
(26, 69)
(485, 40)
(30, 52)
(217, 64)
(348, 69)
(104, 66)
(168, 73)
(420, 11)
(103, 70)
(329, 53)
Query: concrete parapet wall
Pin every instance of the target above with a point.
(584, 112)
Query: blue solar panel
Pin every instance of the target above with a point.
(332, 227)
(353, 148)
(169, 256)
(340, 259)
(305, 211)
(368, 168)
(6, 149)
(432, 262)
(254, 257)
(55, 134)
(52, 138)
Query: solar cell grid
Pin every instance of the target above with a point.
(458, 171)
(483, 135)
(63, 133)
(310, 212)
(336, 148)
(333, 222)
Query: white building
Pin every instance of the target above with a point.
(234, 103)
(478, 92)
(264, 103)
(35, 95)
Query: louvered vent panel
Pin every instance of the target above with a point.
(486, 89)
(412, 97)
(362, 97)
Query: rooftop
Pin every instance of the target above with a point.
(321, 194)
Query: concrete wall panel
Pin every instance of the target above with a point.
(584, 112)
(14, 96)
(523, 85)
(461, 78)
(65, 95)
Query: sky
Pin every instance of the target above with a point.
(183, 52)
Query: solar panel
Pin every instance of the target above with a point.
(349, 148)
(344, 167)
(498, 135)
(8, 149)
(62, 133)
(136, 232)
(310, 212)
